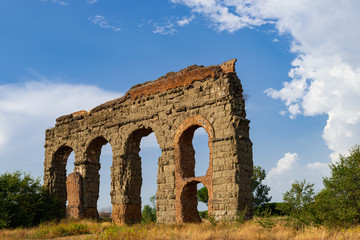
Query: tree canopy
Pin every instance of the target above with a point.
(337, 204)
(24, 202)
(260, 191)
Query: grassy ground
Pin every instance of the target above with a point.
(258, 228)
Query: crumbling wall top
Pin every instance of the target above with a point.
(171, 80)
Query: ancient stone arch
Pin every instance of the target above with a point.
(185, 179)
(172, 107)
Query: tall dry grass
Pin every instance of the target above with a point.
(272, 228)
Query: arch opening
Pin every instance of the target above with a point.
(203, 199)
(189, 203)
(187, 160)
(149, 153)
(200, 144)
(104, 201)
(59, 173)
(90, 170)
(70, 165)
(136, 186)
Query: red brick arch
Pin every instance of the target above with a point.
(185, 179)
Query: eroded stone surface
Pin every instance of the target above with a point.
(173, 107)
(74, 208)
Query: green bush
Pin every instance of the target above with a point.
(338, 204)
(298, 203)
(273, 208)
(298, 198)
(24, 202)
(202, 195)
(204, 214)
(148, 214)
(259, 190)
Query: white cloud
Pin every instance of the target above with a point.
(220, 14)
(185, 21)
(290, 168)
(326, 72)
(101, 22)
(26, 110)
(164, 29)
(284, 164)
(62, 3)
(92, 1)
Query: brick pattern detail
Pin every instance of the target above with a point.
(74, 196)
(172, 107)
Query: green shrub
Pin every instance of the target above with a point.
(266, 220)
(338, 204)
(260, 191)
(148, 214)
(204, 214)
(24, 202)
(202, 195)
(298, 198)
(273, 208)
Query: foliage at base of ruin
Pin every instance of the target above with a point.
(24, 202)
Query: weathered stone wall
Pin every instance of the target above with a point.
(172, 107)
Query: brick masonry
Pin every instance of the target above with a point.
(74, 195)
(172, 107)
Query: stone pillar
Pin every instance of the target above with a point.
(127, 179)
(91, 182)
(74, 191)
(165, 195)
(232, 170)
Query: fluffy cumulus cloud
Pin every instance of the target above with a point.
(26, 110)
(325, 75)
(290, 168)
(102, 22)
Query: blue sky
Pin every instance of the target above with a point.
(299, 63)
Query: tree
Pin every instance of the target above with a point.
(259, 190)
(298, 198)
(339, 202)
(24, 202)
(202, 195)
(148, 214)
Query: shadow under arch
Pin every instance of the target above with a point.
(58, 174)
(185, 179)
(91, 177)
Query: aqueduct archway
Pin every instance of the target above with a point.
(172, 107)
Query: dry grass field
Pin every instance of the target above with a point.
(270, 228)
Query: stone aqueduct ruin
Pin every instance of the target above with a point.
(172, 107)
